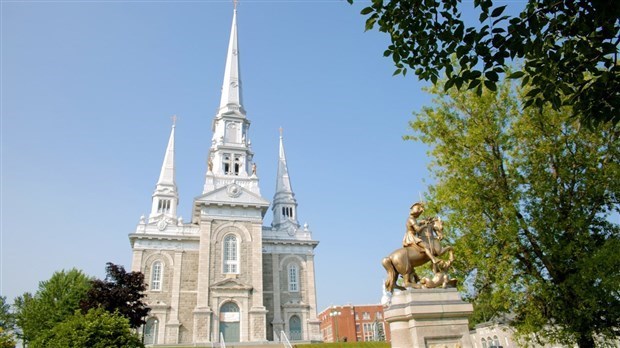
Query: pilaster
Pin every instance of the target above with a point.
(136, 260)
(258, 313)
(314, 330)
(202, 312)
(175, 294)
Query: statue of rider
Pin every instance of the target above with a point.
(415, 229)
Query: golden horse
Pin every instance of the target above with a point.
(404, 260)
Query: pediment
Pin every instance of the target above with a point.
(231, 284)
(232, 194)
(157, 305)
(295, 303)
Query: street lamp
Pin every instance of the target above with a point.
(335, 314)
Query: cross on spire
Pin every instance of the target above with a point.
(174, 119)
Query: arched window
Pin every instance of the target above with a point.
(231, 254)
(495, 341)
(156, 276)
(484, 343)
(293, 278)
(150, 331)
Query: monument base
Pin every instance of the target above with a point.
(429, 318)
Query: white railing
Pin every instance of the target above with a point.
(222, 342)
(275, 336)
(285, 340)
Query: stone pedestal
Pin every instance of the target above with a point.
(429, 318)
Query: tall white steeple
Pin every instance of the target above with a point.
(284, 202)
(231, 86)
(230, 155)
(166, 197)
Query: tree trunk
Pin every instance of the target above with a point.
(585, 341)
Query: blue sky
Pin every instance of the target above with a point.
(88, 90)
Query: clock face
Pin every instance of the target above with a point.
(234, 190)
(290, 230)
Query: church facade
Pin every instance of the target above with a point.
(224, 275)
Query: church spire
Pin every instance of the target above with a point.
(284, 202)
(230, 155)
(165, 197)
(231, 87)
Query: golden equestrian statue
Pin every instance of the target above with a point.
(421, 244)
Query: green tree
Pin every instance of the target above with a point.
(95, 329)
(569, 48)
(7, 324)
(121, 292)
(55, 300)
(528, 197)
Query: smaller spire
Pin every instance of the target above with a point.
(284, 202)
(165, 197)
(283, 183)
(166, 175)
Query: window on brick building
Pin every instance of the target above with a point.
(369, 332)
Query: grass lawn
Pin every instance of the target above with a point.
(345, 345)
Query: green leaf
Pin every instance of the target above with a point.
(366, 10)
(516, 75)
(370, 22)
(448, 84)
(490, 85)
(473, 84)
(534, 92)
(491, 76)
(483, 16)
(498, 11)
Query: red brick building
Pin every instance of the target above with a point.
(351, 323)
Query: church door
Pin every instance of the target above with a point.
(294, 325)
(229, 322)
(150, 331)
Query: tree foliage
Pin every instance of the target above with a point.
(95, 329)
(121, 292)
(569, 49)
(55, 300)
(7, 324)
(528, 195)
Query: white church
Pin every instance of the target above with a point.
(224, 275)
